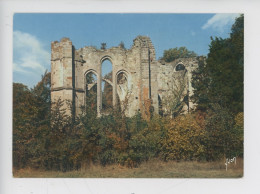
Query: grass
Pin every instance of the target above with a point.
(150, 169)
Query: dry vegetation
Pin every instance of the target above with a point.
(151, 169)
(49, 143)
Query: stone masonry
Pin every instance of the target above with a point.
(148, 82)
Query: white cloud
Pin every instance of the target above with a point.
(219, 21)
(18, 69)
(29, 54)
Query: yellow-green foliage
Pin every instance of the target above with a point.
(184, 138)
(239, 133)
(54, 141)
(239, 121)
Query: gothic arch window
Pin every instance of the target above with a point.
(91, 91)
(122, 85)
(180, 67)
(107, 86)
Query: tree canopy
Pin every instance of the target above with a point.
(220, 79)
(175, 53)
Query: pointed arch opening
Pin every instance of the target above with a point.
(107, 86)
(91, 91)
(122, 83)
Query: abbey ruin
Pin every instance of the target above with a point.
(138, 82)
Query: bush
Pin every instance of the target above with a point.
(56, 141)
(185, 139)
(224, 133)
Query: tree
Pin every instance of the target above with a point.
(200, 83)
(31, 122)
(223, 138)
(122, 45)
(220, 80)
(175, 53)
(24, 116)
(42, 94)
(184, 138)
(103, 46)
(218, 91)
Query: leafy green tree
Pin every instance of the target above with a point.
(218, 91)
(24, 115)
(144, 141)
(237, 38)
(175, 53)
(220, 79)
(223, 138)
(88, 137)
(31, 122)
(200, 83)
(42, 94)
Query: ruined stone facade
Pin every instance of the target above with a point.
(144, 81)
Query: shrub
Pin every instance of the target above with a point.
(224, 133)
(184, 139)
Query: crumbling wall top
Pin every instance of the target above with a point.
(65, 39)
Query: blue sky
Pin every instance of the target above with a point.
(33, 34)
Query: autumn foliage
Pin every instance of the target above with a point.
(47, 138)
(185, 139)
(51, 140)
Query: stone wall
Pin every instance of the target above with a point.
(174, 84)
(146, 81)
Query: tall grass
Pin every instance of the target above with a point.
(151, 169)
